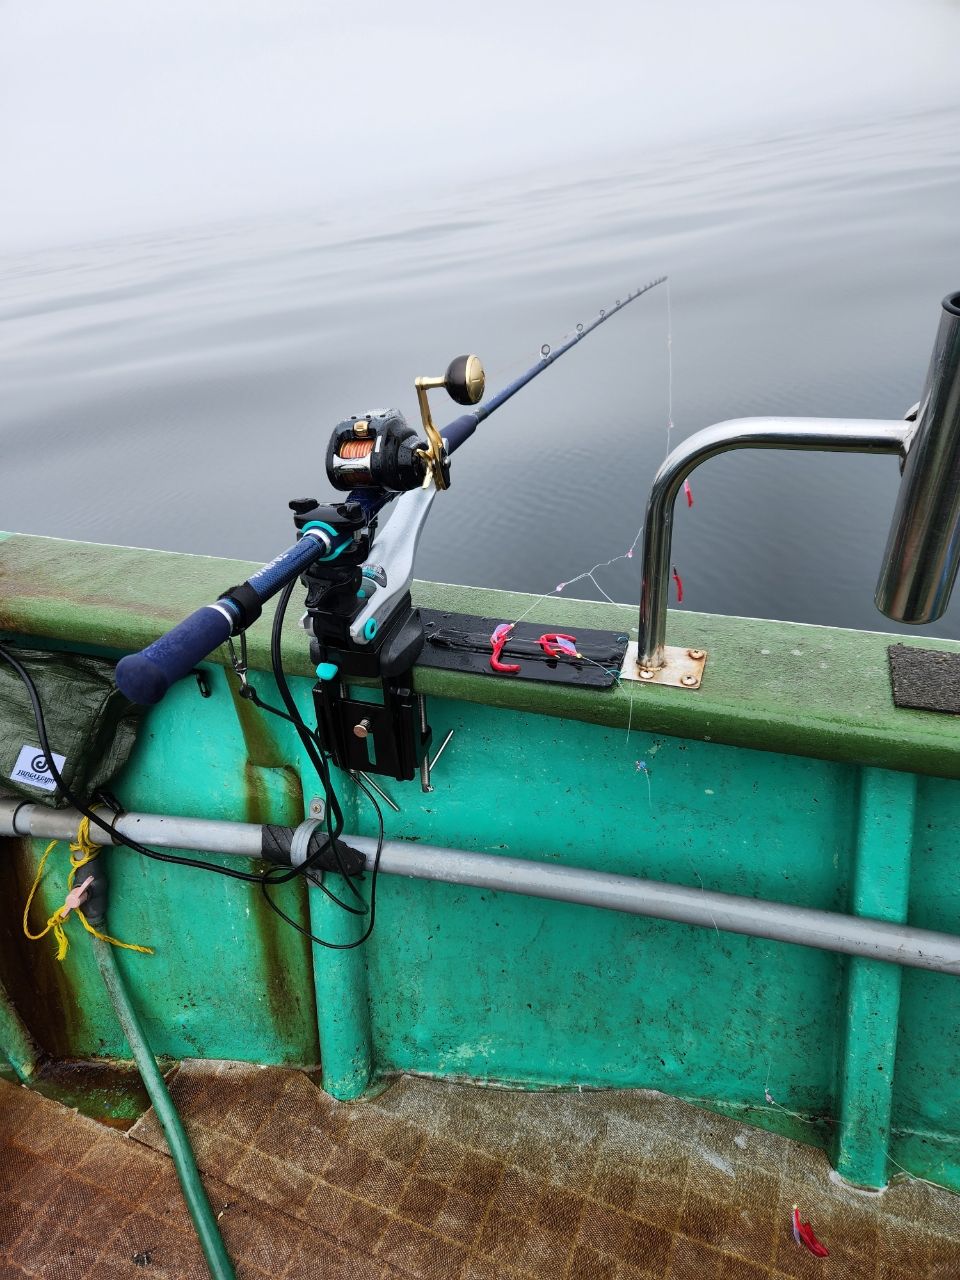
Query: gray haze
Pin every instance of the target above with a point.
(121, 115)
(223, 231)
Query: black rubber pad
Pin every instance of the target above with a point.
(460, 642)
(925, 678)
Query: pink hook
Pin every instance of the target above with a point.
(499, 638)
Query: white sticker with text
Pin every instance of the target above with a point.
(32, 768)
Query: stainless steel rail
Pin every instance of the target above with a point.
(805, 926)
(836, 435)
(923, 548)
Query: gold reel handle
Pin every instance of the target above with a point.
(464, 381)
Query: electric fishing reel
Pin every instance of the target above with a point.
(374, 458)
(381, 451)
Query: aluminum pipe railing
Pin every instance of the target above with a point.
(805, 926)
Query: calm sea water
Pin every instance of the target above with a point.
(176, 390)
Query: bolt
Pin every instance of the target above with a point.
(317, 807)
(690, 680)
(696, 653)
(362, 729)
(645, 673)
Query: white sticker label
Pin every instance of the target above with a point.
(32, 768)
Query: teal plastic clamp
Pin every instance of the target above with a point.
(327, 671)
(320, 524)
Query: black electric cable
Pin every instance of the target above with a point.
(314, 752)
(273, 875)
(135, 845)
(302, 869)
(252, 696)
(334, 814)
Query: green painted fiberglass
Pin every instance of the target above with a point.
(788, 776)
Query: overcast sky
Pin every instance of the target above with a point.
(118, 116)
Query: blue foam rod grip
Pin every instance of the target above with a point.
(146, 676)
(459, 430)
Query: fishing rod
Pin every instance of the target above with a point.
(464, 382)
(463, 428)
(358, 609)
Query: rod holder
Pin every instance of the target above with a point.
(923, 548)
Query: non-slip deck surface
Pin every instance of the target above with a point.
(438, 1181)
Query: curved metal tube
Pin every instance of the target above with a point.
(836, 435)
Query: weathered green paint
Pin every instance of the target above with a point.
(788, 776)
(44, 991)
(110, 1092)
(500, 987)
(228, 978)
(16, 1043)
(343, 998)
(879, 890)
(833, 683)
(926, 1109)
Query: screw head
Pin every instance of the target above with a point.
(317, 807)
(696, 653)
(362, 729)
(690, 680)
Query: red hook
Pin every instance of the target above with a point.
(499, 639)
(557, 645)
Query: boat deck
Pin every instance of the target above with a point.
(433, 1180)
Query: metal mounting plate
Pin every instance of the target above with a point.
(683, 668)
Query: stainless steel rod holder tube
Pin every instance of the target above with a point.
(923, 548)
(836, 435)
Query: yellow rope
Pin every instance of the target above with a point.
(82, 851)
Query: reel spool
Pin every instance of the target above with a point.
(379, 451)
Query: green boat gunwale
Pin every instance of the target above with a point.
(786, 687)
(831, 830)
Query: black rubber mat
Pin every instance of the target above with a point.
(460, 642)
(925, 679)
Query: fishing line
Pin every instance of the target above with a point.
(642, 768)
(669, 368)
(590, 574)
